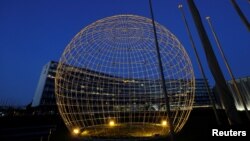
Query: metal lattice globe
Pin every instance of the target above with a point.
(108, 82)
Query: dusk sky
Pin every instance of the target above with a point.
(34, 32)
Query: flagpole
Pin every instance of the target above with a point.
(199, 63)
(171, 128)
(241, 14)
(240, 96)
(215, 69)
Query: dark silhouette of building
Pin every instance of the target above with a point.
(44, 98)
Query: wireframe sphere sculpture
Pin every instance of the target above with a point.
(108, 82)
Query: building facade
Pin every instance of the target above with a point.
(44, 97)
(243, 85)
(202, 94)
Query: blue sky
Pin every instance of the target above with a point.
(35, 32)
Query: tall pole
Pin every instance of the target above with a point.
(200, 64)
(171, 128)
(215, 69)
(228, 67)
(240, 13)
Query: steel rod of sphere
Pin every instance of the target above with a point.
(108, 81)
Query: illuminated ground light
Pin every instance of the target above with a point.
(76, 131)
(164, 123)
(111, 123)
(84, 133)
